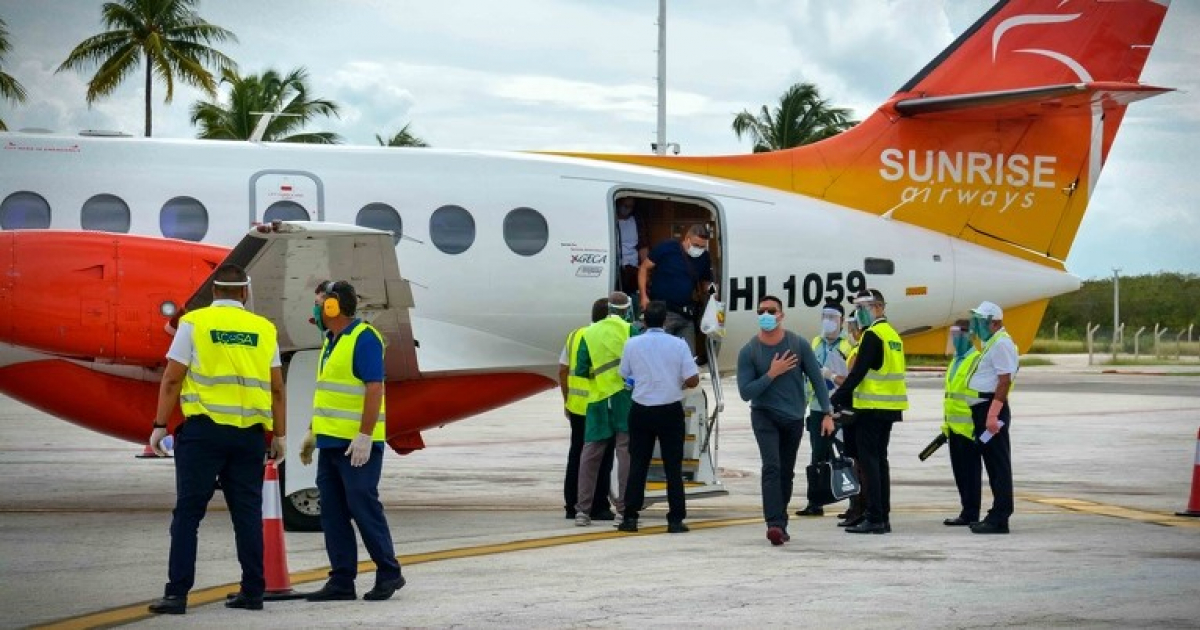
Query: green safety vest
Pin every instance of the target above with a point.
(579, 388)
(884, 388)
(339, 398)
(229, 378)
(605, 342)
(956, 406)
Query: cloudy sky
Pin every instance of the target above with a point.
(579, 75)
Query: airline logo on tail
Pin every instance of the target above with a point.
(942, 177)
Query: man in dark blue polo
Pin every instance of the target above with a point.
(672, 273)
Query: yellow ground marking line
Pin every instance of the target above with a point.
(212, 595)
(1165, 519)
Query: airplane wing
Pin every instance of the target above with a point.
(287, 259)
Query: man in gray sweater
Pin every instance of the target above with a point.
(769, 379)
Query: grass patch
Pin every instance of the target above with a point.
(1035, 361)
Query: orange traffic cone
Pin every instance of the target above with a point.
(275, 570)
(1193, 508)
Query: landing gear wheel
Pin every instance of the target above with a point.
(301, 510)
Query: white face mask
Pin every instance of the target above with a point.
(830, 326)
(694, 251)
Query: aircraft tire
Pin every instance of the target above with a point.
(301, 510)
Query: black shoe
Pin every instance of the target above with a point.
(811, 510)
(384, 590)
(677, 528)
(843, 515)
(956, 522)
(851, 520)
(329, 593)
(887, 527)
(988, 527)
(868, 527)
(244, 601)
(570, 515)
(170, 605)
(628, 525)
(606, 515)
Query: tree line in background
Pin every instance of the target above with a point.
(1169, 299)
(170, 42)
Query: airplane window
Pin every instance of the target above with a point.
(381, 217)
(525, 231)
(184, 218)
(285, 211)
(452, 229)
(105, 213)
(879, 266)
(24, 211)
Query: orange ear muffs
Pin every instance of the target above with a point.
(332, 307)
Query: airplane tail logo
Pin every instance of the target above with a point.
(998, 140)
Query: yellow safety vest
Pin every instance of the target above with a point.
(229, 378)
(605, 342)
(885, 388)
(851, 355)
(579, 388)
(956, 406)
(340, 396)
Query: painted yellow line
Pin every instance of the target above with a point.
(138, 612)
(1166, 519)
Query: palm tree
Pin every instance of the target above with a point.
(10, 88)
(286, 97)
(802, 117)
(168, 34)
(403, 138)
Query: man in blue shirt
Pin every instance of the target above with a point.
(660, 367)
(348, 426)
(672, 273)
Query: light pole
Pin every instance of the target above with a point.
(1116, 311)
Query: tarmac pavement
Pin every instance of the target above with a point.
(1102, 463)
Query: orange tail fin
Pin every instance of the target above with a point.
(998, 140)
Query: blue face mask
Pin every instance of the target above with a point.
(982, 327)
(962, 344)
(767, 322)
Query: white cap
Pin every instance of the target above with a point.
(989, 310)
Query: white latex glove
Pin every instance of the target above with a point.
(827, 374)
(307, 447)
(360, 450)
(156, 438)
(278, 448)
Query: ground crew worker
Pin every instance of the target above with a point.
(607, 417)
(958, 427)
(349, 428)
(225, 361)
(876, 390)
(661, 367)
(576, 391)
(768, 379)
(993, 380)
(831, 349)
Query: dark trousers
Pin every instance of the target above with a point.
(204, 453)
(663, 423)
(997, 459)
(874, 431)
(968, 474)
(603, 480)
(819, 443)
(778, 444)
(353, 493)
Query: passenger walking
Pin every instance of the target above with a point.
(768, 379)
(959, 428)
(349, 428)
(660, 367)
(676, 272)
(993, 379)
(576, 391)
(607, 417)
(831, 349)
(224, 360)
(876, 390)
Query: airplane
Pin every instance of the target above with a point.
(968, 184)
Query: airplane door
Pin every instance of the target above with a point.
(286, 196)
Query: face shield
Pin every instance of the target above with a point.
(981, 326)
(831, 322)
(959, 341)
(249, 304)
